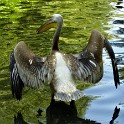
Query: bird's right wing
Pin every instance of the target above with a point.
(28, 69)
(15, 80)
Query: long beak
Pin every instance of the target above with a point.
(49, 24)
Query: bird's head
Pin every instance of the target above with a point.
(53, 22)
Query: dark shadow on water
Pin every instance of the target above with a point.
(19, 119)
(118, 43)
(120, 31)
(118, 22)
(62, 113)
(58, 113)
(115, 115)
(119, 4)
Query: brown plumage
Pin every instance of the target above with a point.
(58, 69)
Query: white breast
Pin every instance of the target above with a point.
(63, 78)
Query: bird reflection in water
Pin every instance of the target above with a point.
(19, 119)
(59, 112)
(115, 115)
(62, 113)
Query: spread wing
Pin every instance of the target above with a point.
(27, 69)
(84, 67)
(88, 64)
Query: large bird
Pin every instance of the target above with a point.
(59, 70)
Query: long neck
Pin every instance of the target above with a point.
(56, 36)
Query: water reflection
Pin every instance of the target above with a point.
(102, 107)
(115, 115)
(120, 4)
(62, 113)
(118, 21)
(118, 43)
(19, 119)
(58, 113)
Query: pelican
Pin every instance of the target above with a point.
(59, 70)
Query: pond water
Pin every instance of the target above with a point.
(103, 103)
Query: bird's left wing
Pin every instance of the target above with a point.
(88, 64)
(84, 67)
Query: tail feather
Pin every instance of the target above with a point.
(113, 60)
(68, 97)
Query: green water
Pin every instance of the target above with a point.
(19, 20)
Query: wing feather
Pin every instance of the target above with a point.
(87, 65)
(82, 69)
(27, 69)
(32, 69)
(15, 81)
